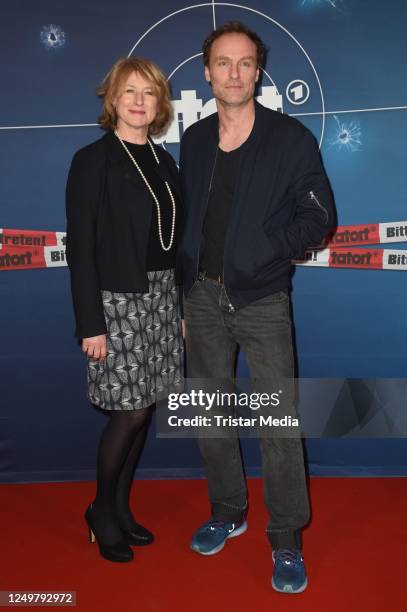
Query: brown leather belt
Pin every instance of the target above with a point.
(215, 278)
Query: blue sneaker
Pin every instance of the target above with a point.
(289, 574)
(211, 537)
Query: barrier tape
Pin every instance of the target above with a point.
(373, 233)
(356, 258)
(24, 238)
(27, 258)
(28, 249)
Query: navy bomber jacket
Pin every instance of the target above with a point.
(282, 206)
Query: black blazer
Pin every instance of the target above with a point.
(109, 213)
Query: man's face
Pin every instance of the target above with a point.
(232, 69)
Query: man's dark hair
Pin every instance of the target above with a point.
(234, 27)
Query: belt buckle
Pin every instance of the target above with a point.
(218, 280)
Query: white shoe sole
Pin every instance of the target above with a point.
(234, 534)
(288, 589)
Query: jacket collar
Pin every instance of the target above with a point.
(114, 148)
(262, 116)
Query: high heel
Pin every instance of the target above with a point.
(92, 538)
(120, 552)
(137, 535)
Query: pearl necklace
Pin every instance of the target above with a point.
(160, 235)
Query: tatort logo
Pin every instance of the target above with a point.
(189, 109)
(397, 231)
(21, 259)
(351, 259)
(341, 237)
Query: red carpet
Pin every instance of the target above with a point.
(355, 550)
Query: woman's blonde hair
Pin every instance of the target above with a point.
(115, 79)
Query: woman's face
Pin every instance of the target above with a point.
(136, 104)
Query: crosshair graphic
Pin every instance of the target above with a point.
(212, 5)
(54, 37)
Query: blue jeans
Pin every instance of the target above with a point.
(263, 331)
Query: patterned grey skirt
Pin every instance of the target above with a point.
(145, 349)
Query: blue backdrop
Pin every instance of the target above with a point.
(337, 65)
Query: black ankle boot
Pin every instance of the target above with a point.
(119, 552)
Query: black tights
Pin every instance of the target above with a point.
(119, 450)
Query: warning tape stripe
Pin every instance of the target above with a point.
(356, 258)
(29, 257)
(29, 249)
(344, 235)
(25, 238)
(367, 234)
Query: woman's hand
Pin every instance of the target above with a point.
(95, 347)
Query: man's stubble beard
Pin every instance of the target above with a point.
(226, 103)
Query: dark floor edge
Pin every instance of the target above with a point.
(348, 471)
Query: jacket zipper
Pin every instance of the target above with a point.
(315, 199)
(206, 207)
(231, 307)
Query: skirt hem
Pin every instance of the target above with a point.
(175, 387)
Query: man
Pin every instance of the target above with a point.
(256, 197)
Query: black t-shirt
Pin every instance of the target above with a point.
(219, 210)
(157, 258)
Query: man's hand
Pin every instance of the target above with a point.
(183, 328)
(95, 347)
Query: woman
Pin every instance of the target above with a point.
(122, 225)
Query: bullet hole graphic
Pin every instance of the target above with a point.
(348, 135)
(52, 37)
